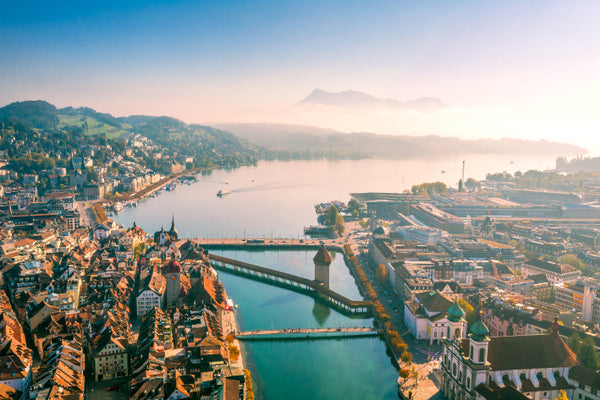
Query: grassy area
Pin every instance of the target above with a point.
(94, 127)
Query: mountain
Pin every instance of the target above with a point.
(352, 98)
(37, 114)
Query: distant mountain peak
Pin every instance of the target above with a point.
(349, 98)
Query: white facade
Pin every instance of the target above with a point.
(146, 301)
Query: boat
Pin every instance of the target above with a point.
(170, 187)
(117, 207)
(223, 192)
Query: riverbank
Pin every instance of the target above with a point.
(230, 328)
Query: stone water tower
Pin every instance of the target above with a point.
(322, 261)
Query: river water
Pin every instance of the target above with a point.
(276, 199)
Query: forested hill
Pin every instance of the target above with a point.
(299, 138)
(41, 130)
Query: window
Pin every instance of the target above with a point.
(468, 383)
(454, 369)
(472, 354)
(482, 354)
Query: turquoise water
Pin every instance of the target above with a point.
(322, 369)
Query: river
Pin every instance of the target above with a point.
(276, 199)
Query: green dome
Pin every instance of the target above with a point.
(455, 313)
(479, 331)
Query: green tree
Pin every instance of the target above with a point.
(574, 342)
(472, 184)
(352, 205)
(332, 214)
(572, 260)
(339, 225)
(587, 354)
(460, 185)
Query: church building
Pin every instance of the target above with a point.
(528, 367)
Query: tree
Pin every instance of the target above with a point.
(472, 184)
(460, 185)
(352, 205)
(587, 354)
(470, 314)
(381, 273)
(562, 396)
(404, 373)
(339, 225)
(572, 260)
(332, 214)
(574, 342)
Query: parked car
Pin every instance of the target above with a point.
(111, 388)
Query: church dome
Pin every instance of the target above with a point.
(455, 313)
(479, 331)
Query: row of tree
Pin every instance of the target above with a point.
(585, 351)
(398, 345)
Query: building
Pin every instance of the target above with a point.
(433, 316)
(173, 281)
(536, 366)
(420, 234)
(151, 293)
(586, 383)
(556, 273)
(322, 262)
(436, 218)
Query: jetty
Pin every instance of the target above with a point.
(307, 333)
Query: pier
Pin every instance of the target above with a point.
(307, 333)
(292, 282)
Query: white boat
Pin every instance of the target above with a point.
(118, 207)
(223, 192)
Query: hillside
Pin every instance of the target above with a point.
(305, 138)
(35, 134)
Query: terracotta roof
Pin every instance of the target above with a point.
(503, 393)
(586, 376)
(434, 301)
(322, 256)
(527, 352)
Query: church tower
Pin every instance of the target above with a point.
(322, 262)
(478, 342)
(173, 231)
(173, 275)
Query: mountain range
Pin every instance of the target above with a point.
(272, 141)
(352, 98)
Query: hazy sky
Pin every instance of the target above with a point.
(506, 68)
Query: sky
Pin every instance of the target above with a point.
(503, 69)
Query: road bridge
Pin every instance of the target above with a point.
(307, 333)
(292, 282)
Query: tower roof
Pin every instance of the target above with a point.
(322, 256)
(479, 331)
(173, 229)
(455, 313)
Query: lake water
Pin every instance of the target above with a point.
(276, 199)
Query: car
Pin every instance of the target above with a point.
(112, 388)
